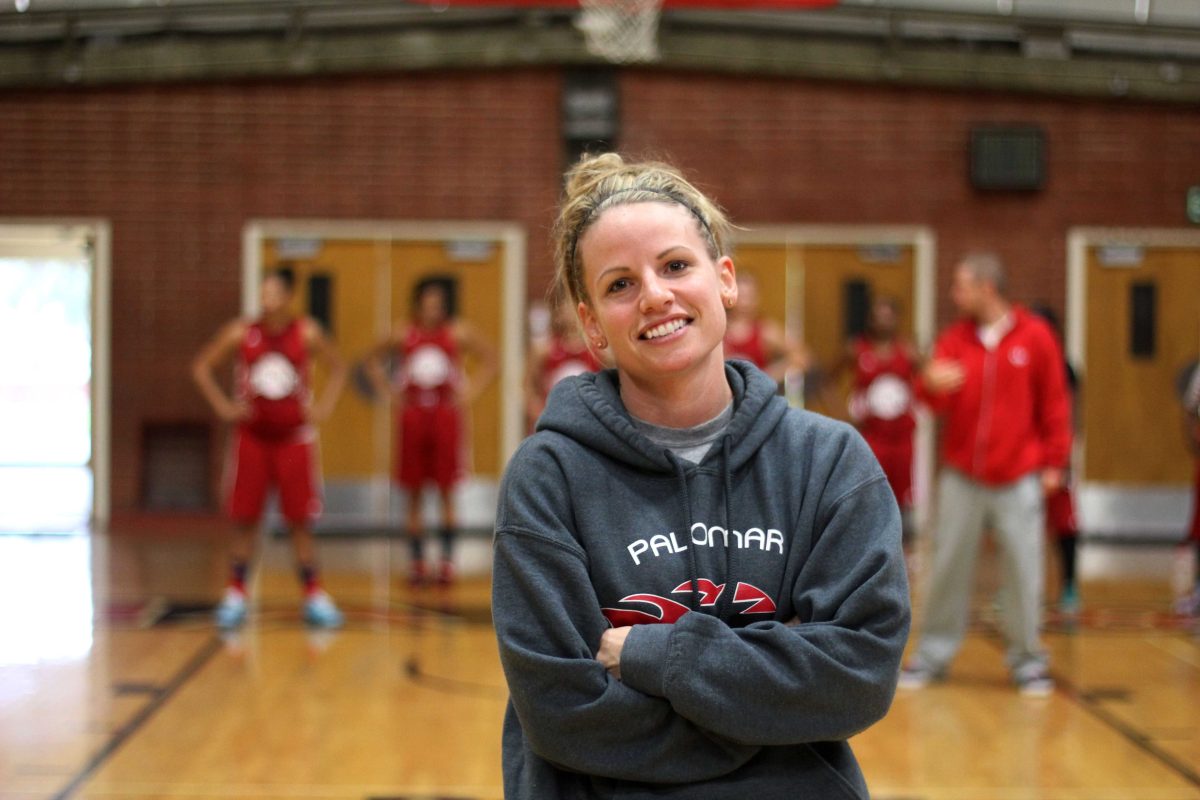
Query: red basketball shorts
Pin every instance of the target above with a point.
(429, 447)
(1060, 513)
(286, 464)
(896, 458)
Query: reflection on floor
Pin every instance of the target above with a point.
(114, 683)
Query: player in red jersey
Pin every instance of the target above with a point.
(564, 353)
(275, 442)
(762, 342)
(881, 400)
(431, 393)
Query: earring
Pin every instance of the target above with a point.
(728, 302)
(600, 343)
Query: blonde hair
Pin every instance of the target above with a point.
(598, 183)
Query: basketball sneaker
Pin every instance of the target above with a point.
(321, 612)
(1188, 605)
(917, 676)
(1034, 681)
(418, 574)
(1068, 601)
(230, 613)
(446, 573)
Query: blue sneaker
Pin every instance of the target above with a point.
(230, 613)
(1188, 605)
(321, 612)
(1068, 601)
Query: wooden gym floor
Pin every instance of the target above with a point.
(114, 684)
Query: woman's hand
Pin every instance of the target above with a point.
(234, 411)
(611, 644)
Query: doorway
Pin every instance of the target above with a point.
(53, 376)
(1134, 325)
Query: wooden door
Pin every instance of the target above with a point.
(1143, 318)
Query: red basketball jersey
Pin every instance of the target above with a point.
(273, 378)
(749, 347)
(429, 367)
(882, 398)
(562, 361)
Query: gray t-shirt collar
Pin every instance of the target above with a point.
(689, 444)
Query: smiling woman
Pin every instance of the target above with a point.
(697, 590)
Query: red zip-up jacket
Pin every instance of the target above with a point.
(1012, 415)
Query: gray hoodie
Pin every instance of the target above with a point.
(777, 562)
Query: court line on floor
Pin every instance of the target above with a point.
(189, 670)
(1139, 739)
(1130, 733)
(1186, 652)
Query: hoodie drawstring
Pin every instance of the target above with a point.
(687, 532)
(726, 598)
(730, 552)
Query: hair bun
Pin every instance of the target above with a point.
(590, 170)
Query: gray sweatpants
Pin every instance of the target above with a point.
(1017, 516)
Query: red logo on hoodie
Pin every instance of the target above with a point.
(668, 611)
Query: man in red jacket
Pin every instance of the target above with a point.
(996, 379)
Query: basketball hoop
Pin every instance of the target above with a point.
(621, 31)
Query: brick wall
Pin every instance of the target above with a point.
(785, 151)
(179, 169)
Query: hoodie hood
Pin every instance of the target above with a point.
(588, 409)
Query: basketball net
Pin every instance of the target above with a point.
(621, 31)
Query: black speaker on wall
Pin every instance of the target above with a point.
(1008, 158)
(591, 112)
